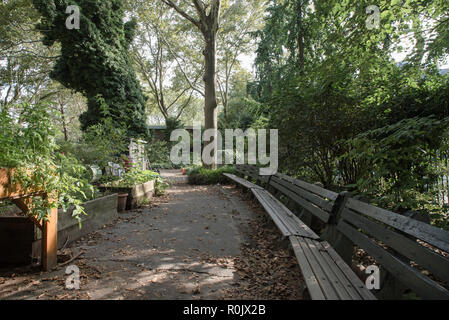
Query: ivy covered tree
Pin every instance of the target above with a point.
(95, 60)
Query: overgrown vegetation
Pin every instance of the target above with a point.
(101, 47)
(27, 144)
(348, 114)
(136, 176)
(203, 176)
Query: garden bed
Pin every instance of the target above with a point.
(100, 211)
(136, 195)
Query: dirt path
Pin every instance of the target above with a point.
(194, 243)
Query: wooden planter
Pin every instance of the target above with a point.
(22, 199)
(137, 193)
(99, 212)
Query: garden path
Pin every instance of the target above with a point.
(187, 245)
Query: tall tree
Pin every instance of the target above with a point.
(206, 17)
(95, 60)
(235, 39)
(169, 68)
(25, 63)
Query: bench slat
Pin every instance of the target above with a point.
(432, 235)
(410, 277)
(358, 285)
(295, 190)
(282, 226)
(322, 215)
(432, 261)
(242, 181)
(310, 187)
(284, 217)
(323, 281)
(329, 270)
(311, 280)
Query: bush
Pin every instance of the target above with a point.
(202, 176)
(134, 177)
(27, 143)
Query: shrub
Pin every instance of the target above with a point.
(202, 176)
(27, 143)
(137, 176)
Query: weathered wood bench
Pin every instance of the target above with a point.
(409, 250)
(311, 202)
(325, 273)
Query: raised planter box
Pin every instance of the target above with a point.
(99, 212)
(16, 239)
(136, 194)
(21, 198)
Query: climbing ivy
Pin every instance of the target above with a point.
(94, 59)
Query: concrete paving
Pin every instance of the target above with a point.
(182, 248)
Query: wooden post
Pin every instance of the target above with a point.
(50, 241)
(341, 244)
(49, 255)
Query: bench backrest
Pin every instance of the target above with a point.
(314, 199)
(394, 240)
(252, 172)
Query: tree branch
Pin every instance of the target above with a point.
(182, 12)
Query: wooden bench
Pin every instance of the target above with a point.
(325, 273)
(311, 201)
(401, 245)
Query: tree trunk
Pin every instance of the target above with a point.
(64, 123)
(300, 37)
(210, 82)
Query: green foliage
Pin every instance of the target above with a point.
(27, 144)
(171, 125)
(136, 176)
(348, 115)
(399, 166)
(243, 113)
(95, 61)
(158, 153)
(203, 176)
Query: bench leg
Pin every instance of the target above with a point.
(50, 241)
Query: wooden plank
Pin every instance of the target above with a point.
(286, 221)
(410, 277)
(347, 271)
(279, 223)
(311, 280)
(50, 241)
(310, 187)
(326, 286)
(432, 261)
(324, 204)
(242, 181)
(295, 225)
(344, 281)
(432, 235)
(316, 211)
(329, 270)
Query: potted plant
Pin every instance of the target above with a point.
(121, 204)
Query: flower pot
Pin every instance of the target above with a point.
(121, 203)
